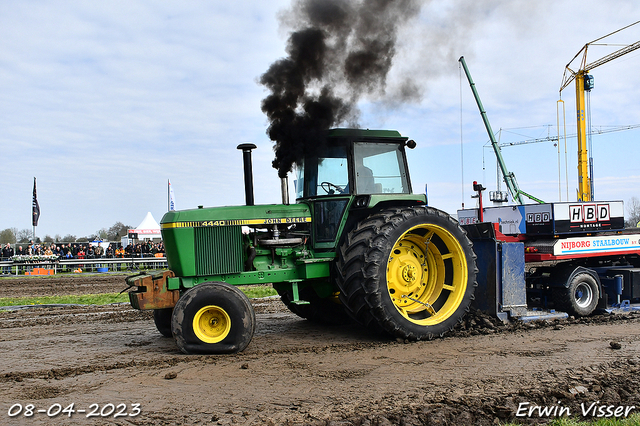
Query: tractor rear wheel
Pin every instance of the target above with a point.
(408, 271)
(328, 310)
(162, 320)
(213, 318)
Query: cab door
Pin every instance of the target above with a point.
(323, 182)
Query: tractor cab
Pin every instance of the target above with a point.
(356, 170)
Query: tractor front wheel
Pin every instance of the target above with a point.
(162, 320)
(408, 271)
(213, 318)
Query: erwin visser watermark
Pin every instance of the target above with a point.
(593, 409)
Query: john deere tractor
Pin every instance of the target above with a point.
(356, 245)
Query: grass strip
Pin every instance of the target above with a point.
(79, 299)
(632, 420)
(108, 298)
(256, 291)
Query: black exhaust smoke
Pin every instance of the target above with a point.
(339, 51)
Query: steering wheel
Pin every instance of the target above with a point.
(327, 186)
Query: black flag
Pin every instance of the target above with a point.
(36, 207)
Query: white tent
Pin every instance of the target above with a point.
(148, 228)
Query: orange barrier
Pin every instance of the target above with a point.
(40, 271)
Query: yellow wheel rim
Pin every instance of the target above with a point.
(427, 274)
(211, 324)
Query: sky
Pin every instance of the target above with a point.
(104, 102)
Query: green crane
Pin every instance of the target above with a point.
(509, 177)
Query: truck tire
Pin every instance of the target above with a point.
(580, 297)
(213, 318)
(319, 310)
(410, 272)
(162, 320)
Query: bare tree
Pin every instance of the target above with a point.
(117, 231)
(24, 235)
(633, 210)
(69, 238)
(102, 234)
(8, 235)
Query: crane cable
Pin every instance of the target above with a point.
(564, 137)
(568, 78)
(461, 137)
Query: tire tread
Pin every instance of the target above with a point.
(361, 258)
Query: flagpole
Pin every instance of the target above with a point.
(171, 204)
(35, 210)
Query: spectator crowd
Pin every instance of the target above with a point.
(83, 250)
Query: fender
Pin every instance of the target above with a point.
(562, 276)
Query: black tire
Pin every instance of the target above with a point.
(162, 319)
(580, 298)
(410, 272)
(213, 318)
(327, 311)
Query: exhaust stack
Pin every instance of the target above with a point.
(248, 172)
(284, 188)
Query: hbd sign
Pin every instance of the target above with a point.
(539, 217)
(573, 218)
(589, 213)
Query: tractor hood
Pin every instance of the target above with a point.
(207, 241)
(268, 214)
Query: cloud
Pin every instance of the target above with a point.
(103, 102)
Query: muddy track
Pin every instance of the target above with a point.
(295, 372)
(24, 286)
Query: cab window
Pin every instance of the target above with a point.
(327, 175)
(379, 169)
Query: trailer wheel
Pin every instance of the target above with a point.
(320, 310)
(580, 298)
(213, 318)
(162, 320)
(410, 272)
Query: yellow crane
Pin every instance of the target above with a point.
(584, 82)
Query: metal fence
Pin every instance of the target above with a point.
(84, 265)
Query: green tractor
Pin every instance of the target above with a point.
(357, 245)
